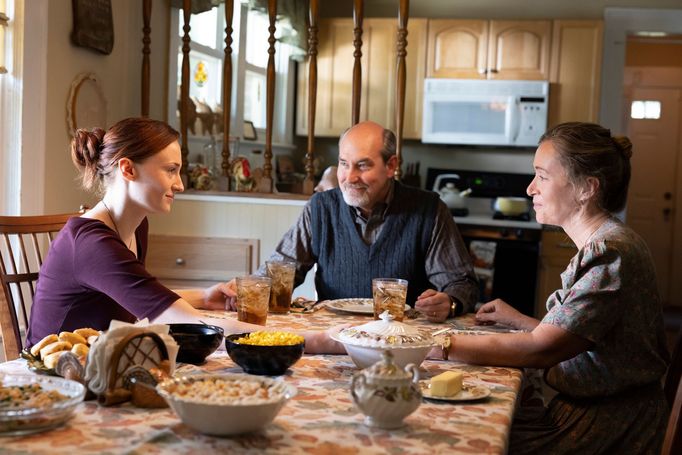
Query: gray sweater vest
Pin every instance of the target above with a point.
(346, 265)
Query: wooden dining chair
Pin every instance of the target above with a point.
(24, 242)
(672, 443)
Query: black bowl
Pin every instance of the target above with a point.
(264, 360)
(196, 341)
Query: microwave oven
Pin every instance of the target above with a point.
(484, 112)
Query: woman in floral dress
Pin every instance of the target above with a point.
(602, 342)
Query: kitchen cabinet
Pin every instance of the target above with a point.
(182, 262)
(556, 251)
(335, 77)
(575, 71)
(480, 49)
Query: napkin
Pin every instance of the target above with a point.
(98, 365)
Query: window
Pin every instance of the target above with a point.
(249, 56)
(645, 109)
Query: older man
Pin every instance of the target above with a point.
(372, 226)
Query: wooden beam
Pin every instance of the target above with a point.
(400, 83)
(227, 91)
(146, 50)
(184, 89)
(309, 182)
(358, 13)
(266, 184)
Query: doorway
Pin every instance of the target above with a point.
(652, 114)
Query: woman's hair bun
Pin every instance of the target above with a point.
(86, 146)
(623, 145)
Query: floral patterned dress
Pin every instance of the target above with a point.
(609, 398)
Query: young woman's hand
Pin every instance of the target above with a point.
(498, 311)
(221, 296)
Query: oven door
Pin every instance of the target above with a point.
(509, 266)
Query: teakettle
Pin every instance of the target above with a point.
(452, 197)
(386, 393)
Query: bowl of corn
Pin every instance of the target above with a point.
(265, 353)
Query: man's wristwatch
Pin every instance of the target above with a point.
(453, 308)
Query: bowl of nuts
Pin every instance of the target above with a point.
(265, 353)
(225, 404)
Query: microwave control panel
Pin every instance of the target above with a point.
(532, 120)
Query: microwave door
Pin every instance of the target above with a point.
(467, 119)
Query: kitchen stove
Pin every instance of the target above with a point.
(519, 217)
(504, 249)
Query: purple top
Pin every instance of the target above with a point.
(90, 278)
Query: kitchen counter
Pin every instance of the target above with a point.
(487, 220)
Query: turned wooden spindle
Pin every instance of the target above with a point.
(184, 89)
(400, 83)
(266, 184)
(357, 64)
(227, 90)
(309, 182)
(146, 41)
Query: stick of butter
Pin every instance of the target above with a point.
(446, 384)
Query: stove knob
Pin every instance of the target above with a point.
(504, 233)
(519, 233)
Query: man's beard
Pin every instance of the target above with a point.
(361, 200)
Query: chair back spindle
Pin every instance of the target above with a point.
(25, 243)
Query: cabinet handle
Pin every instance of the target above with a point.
(482, 71)
(493, 70)
(179, 261)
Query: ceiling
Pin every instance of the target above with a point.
(493, 9)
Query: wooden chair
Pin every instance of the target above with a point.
(24, 241)
(672, 378)
(672, 443)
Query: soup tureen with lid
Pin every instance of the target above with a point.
(365, 343)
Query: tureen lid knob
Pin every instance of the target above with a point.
(386, 316)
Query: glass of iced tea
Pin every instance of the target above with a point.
(282, 275)
(389, 294)
(253, 296)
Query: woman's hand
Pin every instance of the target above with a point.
(221, 296)
(434, 305)
(498, 311)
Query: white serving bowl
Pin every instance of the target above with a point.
(226, 417)
(23, 420)
(366, 343)
(364, 356)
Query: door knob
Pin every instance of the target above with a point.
(667, 195)
(179, 261)
(666, 214)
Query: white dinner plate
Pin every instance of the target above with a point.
(469, 392)
(355, 306)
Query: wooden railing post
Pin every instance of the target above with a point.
(184, 89)
(146, 41)
(266, 184)
(357, 64)
(309, 182)
(227, 91)
(400, 83)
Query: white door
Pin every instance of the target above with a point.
(651, 195)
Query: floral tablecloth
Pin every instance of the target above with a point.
(321, 419)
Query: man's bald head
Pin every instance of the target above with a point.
(374, 135)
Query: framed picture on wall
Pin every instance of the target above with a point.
(249, 131)
(93, 25)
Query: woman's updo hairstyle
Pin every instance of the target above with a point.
(95, 153)
(589, 150)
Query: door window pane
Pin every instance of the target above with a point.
(254, 98)
(202, 27)
(642, 109)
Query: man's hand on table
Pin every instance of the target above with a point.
(434, 305)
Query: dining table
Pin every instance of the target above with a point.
(320, 419)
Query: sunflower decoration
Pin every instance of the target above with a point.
(200, 74)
